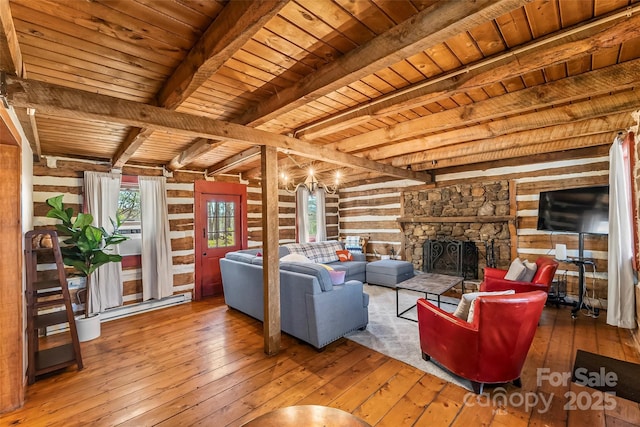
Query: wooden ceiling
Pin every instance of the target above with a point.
(371, 87)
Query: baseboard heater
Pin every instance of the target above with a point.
(130, 310)
(141, 307)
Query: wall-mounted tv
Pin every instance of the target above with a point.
(575, 210)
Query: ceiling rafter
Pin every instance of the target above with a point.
(233, 27)
(73, 103)
(11, 61)
(431, 26)
(603, 32)
(570, 89)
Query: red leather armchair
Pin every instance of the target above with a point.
(494, 278)
(493, 347)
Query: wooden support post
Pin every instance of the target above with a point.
(270, 240)
(11, 290)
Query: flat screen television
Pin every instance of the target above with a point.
(575, 210)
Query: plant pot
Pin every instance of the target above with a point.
(88, 327)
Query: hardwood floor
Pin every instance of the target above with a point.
(202, 364)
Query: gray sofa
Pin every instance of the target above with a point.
(312, 309)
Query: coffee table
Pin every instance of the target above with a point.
(427, 283)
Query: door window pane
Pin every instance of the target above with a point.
(221, 230)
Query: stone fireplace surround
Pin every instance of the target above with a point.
(475, 212)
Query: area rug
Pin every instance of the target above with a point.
(396, 337)
(607, 374)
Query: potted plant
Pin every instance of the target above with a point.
(85, 248)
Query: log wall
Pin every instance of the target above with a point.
(372, 210)
(65, 176)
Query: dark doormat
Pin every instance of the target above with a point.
(607, 375)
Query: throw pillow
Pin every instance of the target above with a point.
(473, 303)
(464, 306)
(344, 255)
(517, 270)
(531, 267)
(295, 258)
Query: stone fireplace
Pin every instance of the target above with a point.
(477, 214)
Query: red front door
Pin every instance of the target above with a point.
(220, 228)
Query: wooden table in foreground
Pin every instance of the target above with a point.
(308, 416)
(427, 283)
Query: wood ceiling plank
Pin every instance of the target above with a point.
(52, 23)
(68, 80)
(514, 28)
(571, 89)
(437, 152)
(94, 81)
(337, 18)
(398, 11)
(63, 61)
(574, 12)
(237, 22)
(195, 14)
(488, 39)
(543, 16)
(65, 102)
(369, 14)
(135, 63)
(302, 14)
(428, 28)
(129, 21)
(548, 148)
(464, 48)
(287, 48)
(604, 6)
(534, 56)
(310, 44)
(630, 50)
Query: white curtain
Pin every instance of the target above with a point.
(321, 215)
(101, 191)
(621, 300)
(302, 217)
(157, 274)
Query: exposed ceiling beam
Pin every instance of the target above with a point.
(10, 54)
(547, 148)
(584, 39)
(608, 105)
(73, 103)
(11, 62)
(201, 146)
(431, 26)
(233, 27)
(582, 86)
(609, 125)
(234, 161)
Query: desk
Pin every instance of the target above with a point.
(308, 416)
(427, 283)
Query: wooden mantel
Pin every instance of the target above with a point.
(483, 218)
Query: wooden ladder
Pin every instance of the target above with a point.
(48, 304)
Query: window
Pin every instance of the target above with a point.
(221, 230)
(129, 208)
(129, 215)
(312, 217)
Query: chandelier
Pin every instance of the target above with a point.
(311, 183)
